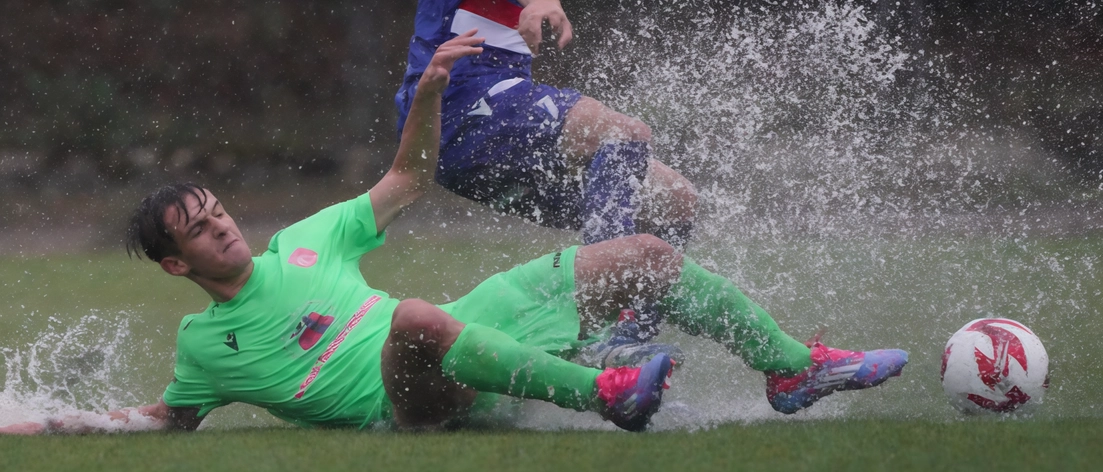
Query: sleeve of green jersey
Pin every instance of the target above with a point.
(348, 225)
(190, 387)
(363, 224)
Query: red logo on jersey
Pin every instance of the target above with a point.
(313, 326)
(303, 257)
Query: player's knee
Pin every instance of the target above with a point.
(663, 251)
(653, 262)
(683, 192)
(661, 259)
(637, 130)
(668, 182)
(649, 247)
(687, 198)
(670, 198)
(419, 321)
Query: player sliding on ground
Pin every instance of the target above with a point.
(297, 331)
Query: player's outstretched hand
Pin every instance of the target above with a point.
(531, 24)
(28, 428)
(435, 77)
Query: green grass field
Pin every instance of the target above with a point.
(95, 331)
(813, 446)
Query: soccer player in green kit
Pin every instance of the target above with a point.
(297, 331)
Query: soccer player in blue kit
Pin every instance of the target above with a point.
(549, 155)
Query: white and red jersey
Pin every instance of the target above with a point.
(496, 20)
(505, 54)
(438, 21)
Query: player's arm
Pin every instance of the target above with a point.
(415, 164)
(156, 417)
(531, 23)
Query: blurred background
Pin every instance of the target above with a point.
(102, 100)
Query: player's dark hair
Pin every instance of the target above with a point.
(147, 231)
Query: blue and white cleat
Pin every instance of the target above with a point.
(832, 370)
(628, 396)
(626, 347)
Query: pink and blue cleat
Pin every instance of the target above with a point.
(628, 396)
(832, 370)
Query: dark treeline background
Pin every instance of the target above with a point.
(102, 94)
(128, 89)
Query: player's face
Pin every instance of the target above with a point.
(210, 242)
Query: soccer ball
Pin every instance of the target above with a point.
(994, 364)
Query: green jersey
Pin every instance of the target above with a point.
(303, 336)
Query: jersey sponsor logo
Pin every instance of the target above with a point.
(333, 345)
(548, 105)
(315, 325)
(231, 340)
(503, 86)
(303, 257)
(480, 109)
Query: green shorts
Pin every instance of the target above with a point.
(534, 303)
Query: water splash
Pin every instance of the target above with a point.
(815, 121)
(850, 180)
(72, 366)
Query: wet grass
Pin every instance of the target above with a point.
(813, 446)
(911, 294)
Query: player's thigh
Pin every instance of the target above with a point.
(590, 124)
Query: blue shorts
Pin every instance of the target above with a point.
(499, 147)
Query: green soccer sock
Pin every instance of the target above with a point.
(489, 360)
(705, 303)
